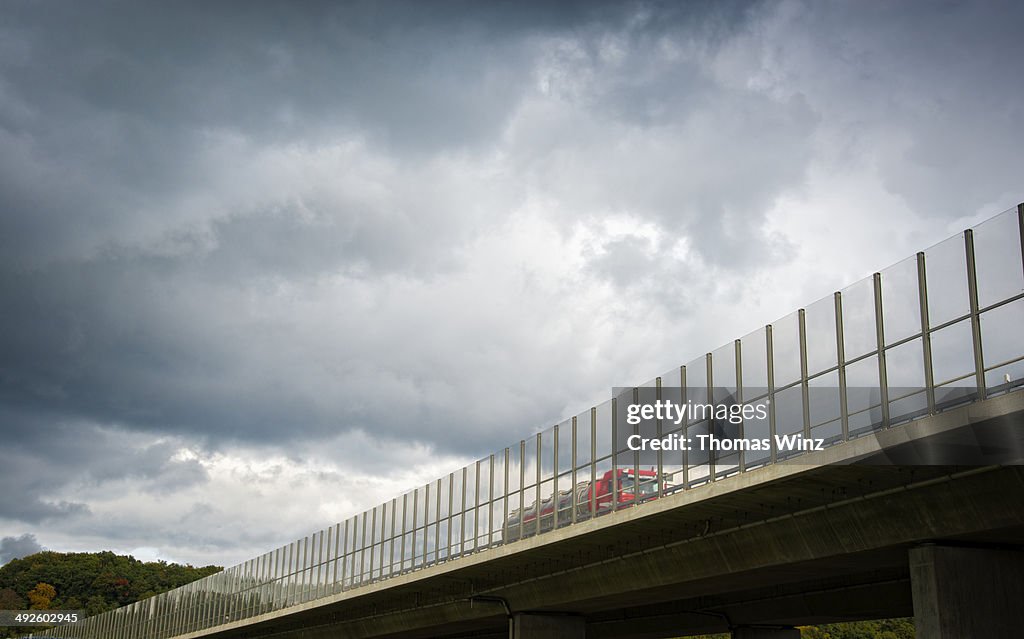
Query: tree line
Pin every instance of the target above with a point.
(90, 582)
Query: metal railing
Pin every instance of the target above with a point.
(945, 324)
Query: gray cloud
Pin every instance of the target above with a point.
(17, 547)
(370, 239)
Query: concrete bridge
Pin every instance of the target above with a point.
(914, 506)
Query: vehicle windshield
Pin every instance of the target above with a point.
(648, 485)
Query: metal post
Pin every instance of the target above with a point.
(373, 540)
(883, 378)
(476, 506)
(615, 455)
(593, 461)
(926, 336)
(437, 524)
(1020, 231)
(339, 557)
(771, 392)
(451, 507)
(522, 487)
(490, 503)
(344, 554)
(554, 480)
(685, 398)
(636, 454)
(401, 531)
(738, 353)
(362, 547)
(321, 587)
(426, 522)
(658, 434)
(972, 291)
(302, 574)
(801, 316)
(538, 443)
(709, 372)
(572, 488)
(462, 517)
(505, 489)
(841, 361)
(412, 540)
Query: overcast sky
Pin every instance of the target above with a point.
(263, 265)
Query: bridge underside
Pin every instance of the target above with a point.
(824, 544)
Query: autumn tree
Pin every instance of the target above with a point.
(41, 596)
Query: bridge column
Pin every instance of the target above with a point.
(540, 626)
(765, 633)
(963, 593)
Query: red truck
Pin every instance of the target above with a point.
(592, 498)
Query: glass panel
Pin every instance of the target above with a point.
(723, 374)
(863, 395)
(953, 355)
(786, 349)
(1001, 343)
(547, 454)
(547, 505)
(583, 439)
(483, 481)
(469, 531)
(565, 499)
(387, 516)
(672, 460)
(757, 427)
(604, 429)
(514, 469)
(530, 463)
(905, 371)
(603, 488)
(755, 364)
(420, 541)
(823, 404)
(564, 446)
(904, 365)
(901, 306)
(421, 507)
(789, 410)
(997, 259)
(648, 430)
(514, 519)
(406, 549)
(457, 483)
(820, 325)
(859, 319)
(470, 491)
(499, 474)
(498, 517)
(444, 531)
(431, 547)
(946, 272)
(671, 384)
(697, 381)
(622, 427)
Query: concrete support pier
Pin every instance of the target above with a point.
(540, 626)
(765, 633)
(967, 593)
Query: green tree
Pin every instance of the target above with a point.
(11, 600)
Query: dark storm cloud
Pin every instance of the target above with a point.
(105, 111)
(277, 225)
(17, 547)
(46, 456)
